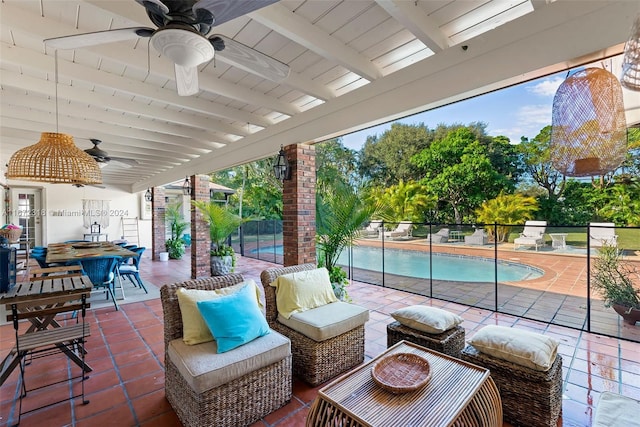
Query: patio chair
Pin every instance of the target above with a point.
(102, 272)
(373, 229)
(442, 236)
(602, 233)
(479, 237)
(132, 271)
(403, 229)
(234, 388)
(532, 235)
(337, 329)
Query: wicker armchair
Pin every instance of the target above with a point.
(313, 361)
(237, 403)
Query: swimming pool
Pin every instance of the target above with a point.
(461, 268)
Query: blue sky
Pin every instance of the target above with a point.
(521, 110)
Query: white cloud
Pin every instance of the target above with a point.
(534, 115)
(528, 121)
(545, 87)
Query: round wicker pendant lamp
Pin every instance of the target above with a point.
(54, 159)
(589, 129)
(630, 77)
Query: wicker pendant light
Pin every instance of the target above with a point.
(589, 129)
(54, 159)
(630, 77)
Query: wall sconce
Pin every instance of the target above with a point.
(148, 196)
(281, 167)
(186, 187)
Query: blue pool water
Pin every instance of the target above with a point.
(445, 266)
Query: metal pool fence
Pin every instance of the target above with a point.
(559, 295)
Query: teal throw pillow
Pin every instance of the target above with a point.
(235, 319)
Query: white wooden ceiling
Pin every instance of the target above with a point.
(354, 63)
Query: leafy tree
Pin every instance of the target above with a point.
(623, 204)
(631, 165)
(258, 192)
(384, 159)
(506, 209)
(458, 171)
(336, 163)
(536, 157)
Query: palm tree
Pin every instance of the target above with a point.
(173, 215)
(222, 222)
(506, 209)
(340, 217)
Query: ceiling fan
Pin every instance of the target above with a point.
(181, 36)
(102, 157)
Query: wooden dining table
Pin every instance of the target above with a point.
(66, 252)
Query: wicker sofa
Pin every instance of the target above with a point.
(316, 361)
(258, 383)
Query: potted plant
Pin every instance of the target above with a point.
(177, 225)
(340, 217)
(222, 222)
(613, 278)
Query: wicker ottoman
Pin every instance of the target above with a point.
(529, 398)
(450, 342)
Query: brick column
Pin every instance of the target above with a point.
(200, 241)
(158, 231)
(299, 206)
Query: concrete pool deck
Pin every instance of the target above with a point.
(558, 297)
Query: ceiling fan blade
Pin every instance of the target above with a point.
(124, 162)
(250, 60)
(226, 10)
(186, 80)
(78, 41)
(154, 5)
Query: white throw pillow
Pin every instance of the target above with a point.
(427, 319)
(521, 347)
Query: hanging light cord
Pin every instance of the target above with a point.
(56, 90)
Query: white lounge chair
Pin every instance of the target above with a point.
(532, 235)
(602, 233)
(479, 237)
(373, 229)
(442, 236)
(403, 229)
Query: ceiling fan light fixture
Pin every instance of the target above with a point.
(54, 159)
(183, 47)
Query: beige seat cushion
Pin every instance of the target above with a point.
(327, 321)
(204, 369)
(524, 348)
(431, 320)
(615, 410)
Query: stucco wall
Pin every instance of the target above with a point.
(62, 211)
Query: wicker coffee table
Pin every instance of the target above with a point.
(457, 392)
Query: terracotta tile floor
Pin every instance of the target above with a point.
(126, 387)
